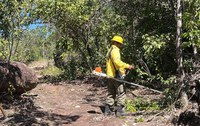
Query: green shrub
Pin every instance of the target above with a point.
(51, 70)
(140, 105)
(139, 119)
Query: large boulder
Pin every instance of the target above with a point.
(16, 77)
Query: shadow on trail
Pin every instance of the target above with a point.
(41, 118)
(27, 114)
(96, 95)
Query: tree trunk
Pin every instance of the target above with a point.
(180, 70)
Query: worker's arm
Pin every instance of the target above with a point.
(116, 58)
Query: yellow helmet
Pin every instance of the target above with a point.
(118, 39)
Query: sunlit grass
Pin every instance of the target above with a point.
(45, 67)
(51, 70)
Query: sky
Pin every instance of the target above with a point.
(34, 26)
(38, 23)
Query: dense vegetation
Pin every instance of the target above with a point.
(77, 34)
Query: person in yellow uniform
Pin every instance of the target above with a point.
(115, 67)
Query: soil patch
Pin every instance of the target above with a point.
(77, 104)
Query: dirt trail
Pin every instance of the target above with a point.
(65, 104)
(78, 103)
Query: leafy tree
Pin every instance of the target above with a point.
(35, 44)
(191, 19)
(151, 27)
(14, 16)
(84, 29)
(190, 38)
(80, 31)
(17, 42)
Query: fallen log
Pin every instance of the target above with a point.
(16, 77)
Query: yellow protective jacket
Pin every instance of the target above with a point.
(114, 58)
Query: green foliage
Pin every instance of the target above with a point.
(73, 69)
(157, 53)
(191, 23)
(190, 35)
(151, 29)
(139, 119)
(35, 44)
(4, 49)
(171, 90)
(77, 35)
(140, 105)
(152, 44)
(130, 106)
(14, 15)
(84, 27)
(51, 70)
